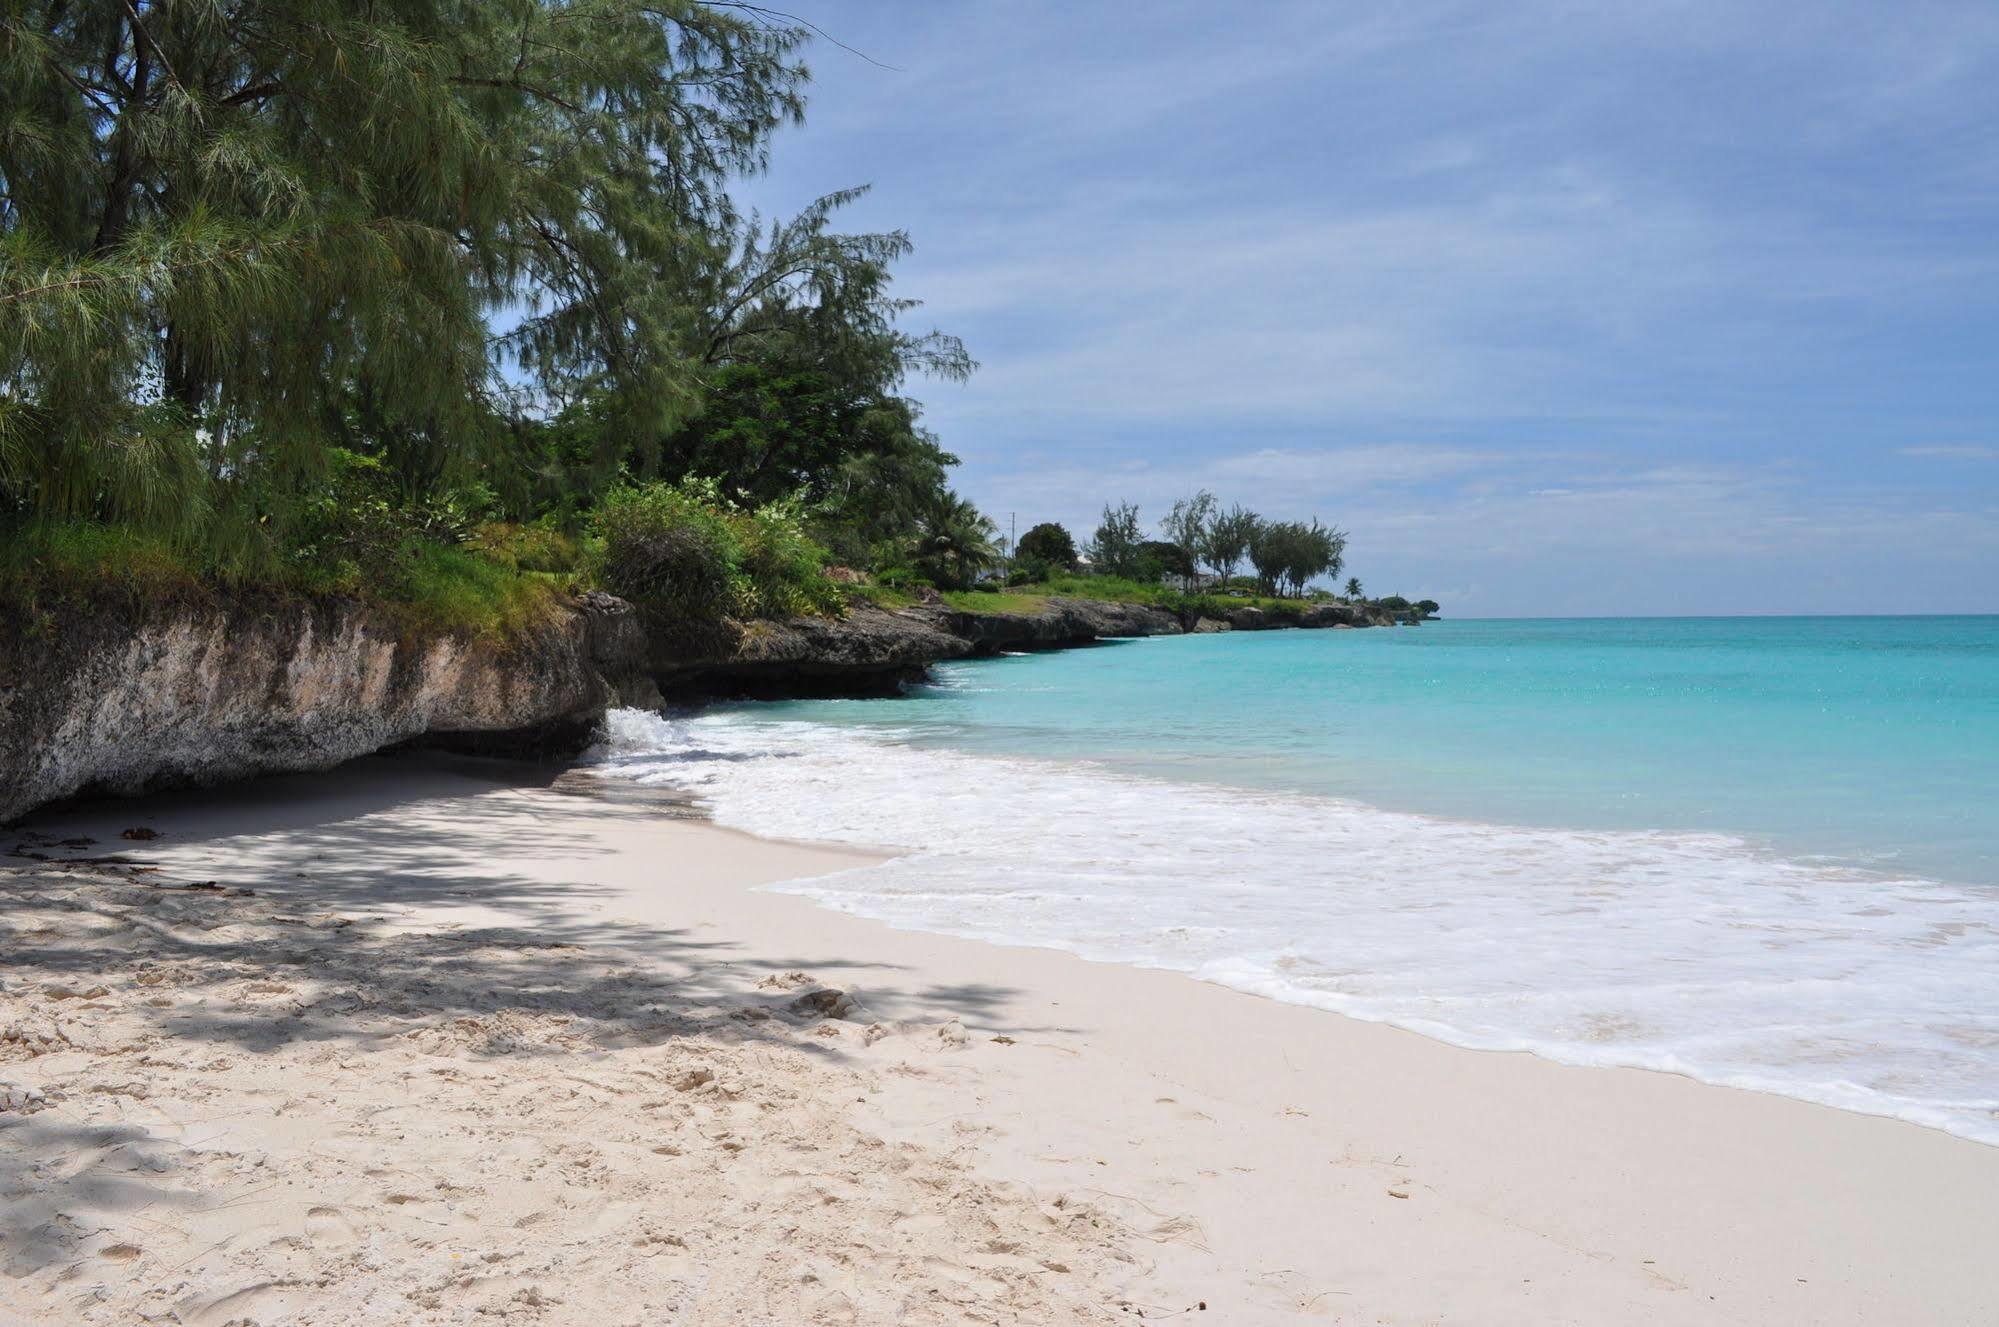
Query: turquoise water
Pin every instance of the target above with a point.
(1871, 740)
(1762, 852)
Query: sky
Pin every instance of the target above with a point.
(1686, 306)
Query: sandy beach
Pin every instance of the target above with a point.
(437, 1041)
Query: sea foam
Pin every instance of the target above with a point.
(1695, 954)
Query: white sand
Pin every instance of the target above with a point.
(488, 1053)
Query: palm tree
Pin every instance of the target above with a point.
(955, 541)
(1353, 587)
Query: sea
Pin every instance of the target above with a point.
(1762, 852)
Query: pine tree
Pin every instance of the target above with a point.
(231, 236)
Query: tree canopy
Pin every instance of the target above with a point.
(1046, 548)
(484, 242)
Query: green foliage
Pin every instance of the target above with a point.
(781, 570)
(954, 542)
(1046, 549)
(1153, 594)
(993, 601)
(1291, 554)
(1224, 541)
(667, 549)
(443, 589)
(1186, 528)
(1160, 558)
(540, 546)
(1115, 549)
(428, 588)
(47, 565)
(233, 236)
(881, 596)
(689, 558)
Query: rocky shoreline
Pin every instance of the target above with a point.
(123, 701)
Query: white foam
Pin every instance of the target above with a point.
(1694, 954)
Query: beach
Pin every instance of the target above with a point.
(436, 1040)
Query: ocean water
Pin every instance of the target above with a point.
(1761, 852)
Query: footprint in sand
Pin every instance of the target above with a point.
(329, 1228)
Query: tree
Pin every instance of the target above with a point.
(955, 542)
(1318, 551)
(1225, 540)
(232, 237)
(1289, 555)
(1046, 548)
(1268, 551)
(1185, 525)
(1160, 558)
(1114, 549)
(1353, 587)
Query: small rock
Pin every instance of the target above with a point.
(139, 832)
(952, 1034)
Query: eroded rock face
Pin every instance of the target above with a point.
(1061, 622)
(871, 651)
(124, 702)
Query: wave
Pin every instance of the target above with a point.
(1692, 954)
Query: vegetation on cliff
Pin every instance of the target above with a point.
(445, 304)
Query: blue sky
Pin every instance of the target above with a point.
(1556, 308)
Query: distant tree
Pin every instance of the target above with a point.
(1290, 555)
(956, 542)
(1428, 607)
(1225, 540)
(1321, 551)
(1267, 551)
(1186, 524)
(1114, 549)
(1045, 549)
(1353, 587)
(1159, 559)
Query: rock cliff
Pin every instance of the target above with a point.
(123, 701)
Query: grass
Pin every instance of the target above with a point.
(881, 596)
(454, 591)
(1021, 600)
(1117, 590)
(442, 589)
(45, 567)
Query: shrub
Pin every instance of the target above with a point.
(685, 555)
(782, 571)
(667, 550)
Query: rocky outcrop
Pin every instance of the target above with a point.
(874, 651)
(124, 701)
(1062, 622)
(871, 651)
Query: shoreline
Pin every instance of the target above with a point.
(1281, 1163)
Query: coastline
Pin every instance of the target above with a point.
(1277, 1162)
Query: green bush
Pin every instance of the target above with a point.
(782, 571)
(667, 550)
(684, 554)
(538, 547)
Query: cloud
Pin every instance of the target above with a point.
(1598, 308)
